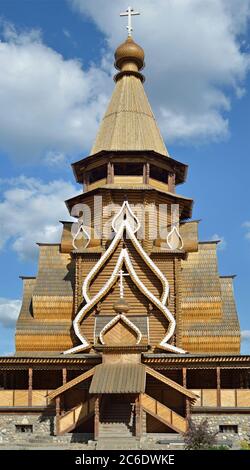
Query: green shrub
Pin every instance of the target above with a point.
(199, 437)
(245, 445)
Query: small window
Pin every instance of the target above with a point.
(20, 428)
(229, 428)
(98, 174)
(131, 169)
(158, 174)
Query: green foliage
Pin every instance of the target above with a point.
(245, 445)
(199, 437)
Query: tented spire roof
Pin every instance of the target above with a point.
(129, 123)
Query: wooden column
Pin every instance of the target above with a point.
(110, 173)
(241, 379)
(218, 386)
(147, 173)
(86, 181)
(30, 386)
(5, 380)
(184, 381)
(171, 182)
(97, 417)
(64, 375)
(58, 411)
(138, 416)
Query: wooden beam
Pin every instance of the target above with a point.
(30, 385)
(218, 382)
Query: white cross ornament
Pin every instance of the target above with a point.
(122, 274)
(129, 13)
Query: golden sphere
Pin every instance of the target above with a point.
(129, 51)
(121, 306)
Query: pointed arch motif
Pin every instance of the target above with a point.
(115, 320)
(125, 221)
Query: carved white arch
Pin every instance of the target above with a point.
(115, 320)
(124, 225)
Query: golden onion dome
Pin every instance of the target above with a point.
(121, 306)
(129, 56)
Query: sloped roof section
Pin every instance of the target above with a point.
(209, 317)
(129, 123)
(119, 378)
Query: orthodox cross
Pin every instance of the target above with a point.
(122, 274)
(129, 13)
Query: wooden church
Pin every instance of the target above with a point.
(128, 329)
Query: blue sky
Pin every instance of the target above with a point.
(55, 81)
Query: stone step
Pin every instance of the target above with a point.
(117, 443)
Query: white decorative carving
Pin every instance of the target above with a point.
(84, 232)
(121, 223)
(125, 319)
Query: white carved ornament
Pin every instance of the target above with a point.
(125, 220)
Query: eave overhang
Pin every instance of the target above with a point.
(80, 166)
(176, 198)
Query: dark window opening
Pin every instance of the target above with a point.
(28, 428)
(228, 428)
(159, 174)
(98, 174)
(131, 169)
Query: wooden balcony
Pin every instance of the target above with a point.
(223, 398)
(24, 398)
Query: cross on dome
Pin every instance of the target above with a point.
(129, 13)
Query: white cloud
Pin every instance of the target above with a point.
(222, 245)
(30, 211)
(194, 57)
(9, 311)
(246, 225)
(54, 158)
(47, 104)
(245, 336)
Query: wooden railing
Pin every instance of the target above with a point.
(163, 413)
(229, 398)
(72, 418)
(20, 398)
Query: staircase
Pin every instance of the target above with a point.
(72, 418)
(163, 413)
(116, 419)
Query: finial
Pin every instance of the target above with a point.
(129, 13)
